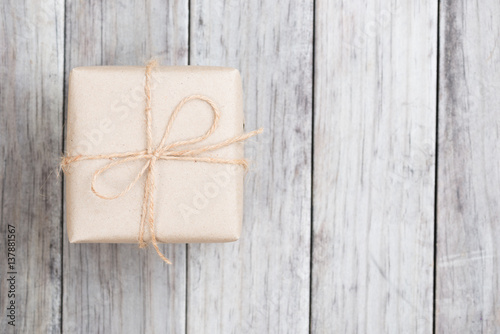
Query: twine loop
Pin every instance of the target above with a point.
(162, 151)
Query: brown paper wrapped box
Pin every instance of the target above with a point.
(193, 201)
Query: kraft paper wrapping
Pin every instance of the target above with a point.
(194, 201)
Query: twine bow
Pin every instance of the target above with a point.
(162, 151)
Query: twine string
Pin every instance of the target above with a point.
(163, 151)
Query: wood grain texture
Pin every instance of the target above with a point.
(121, 288)
(375, 74)
(468, 252)
(31, 95)
(260, 284)
(374, 157)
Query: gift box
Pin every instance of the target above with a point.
(154, 154)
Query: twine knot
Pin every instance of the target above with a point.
(162, 152)
(156, 155)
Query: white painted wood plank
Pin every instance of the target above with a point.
(121, 288)
(468, 252)
(260, 284)
(374, 158)
(31, 96)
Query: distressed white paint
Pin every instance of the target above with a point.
(374, 153)
(31, 95)
(260, 284)
(468, 252)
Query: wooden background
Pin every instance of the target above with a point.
(373, 203)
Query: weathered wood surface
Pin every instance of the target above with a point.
(374, 153)
(119, 288)
(468, 251)
(31, 95)
(371, 217)
(260, 284)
